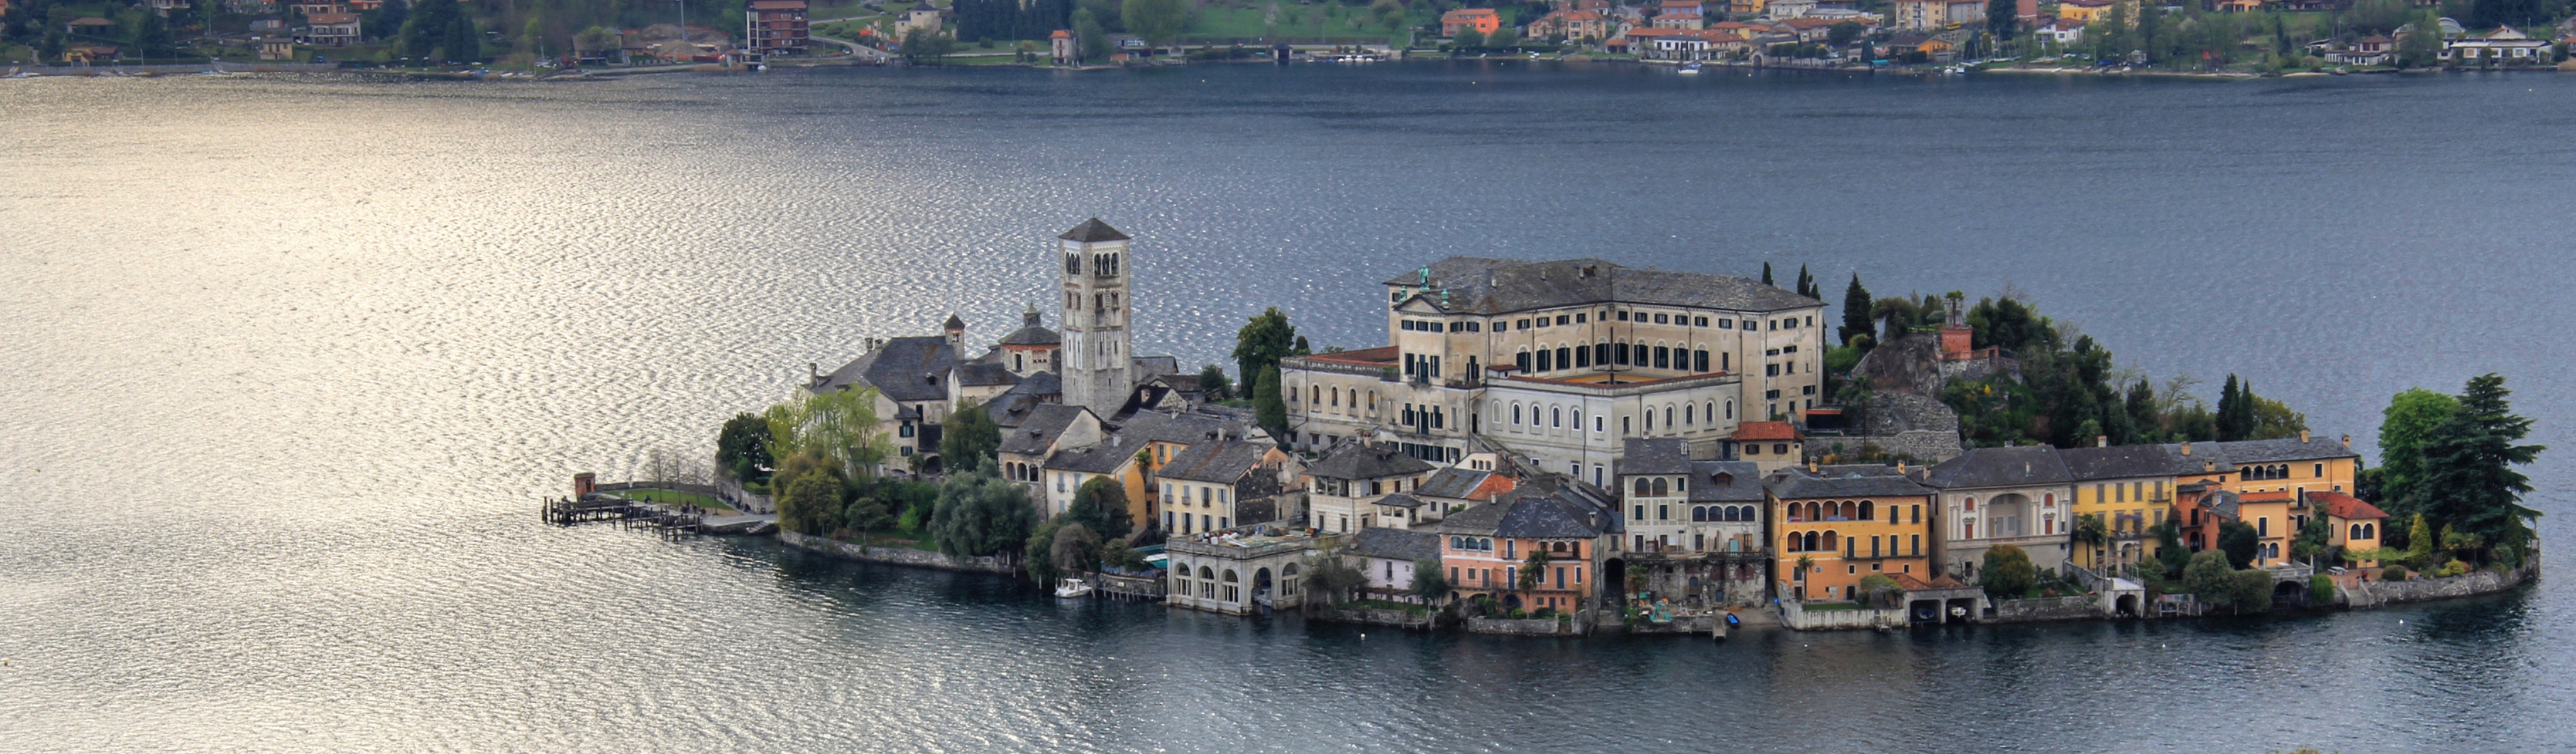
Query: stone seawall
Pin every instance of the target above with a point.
(899, 555)
(2378, 593)
(1558, 626)
(1375, 617)
(1797, 617)
(2078, 607)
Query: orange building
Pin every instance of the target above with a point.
(1837, 525)
(1488, 548)
(1483, 20)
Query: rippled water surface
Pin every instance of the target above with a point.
(286, 363)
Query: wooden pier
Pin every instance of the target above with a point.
(665, 522)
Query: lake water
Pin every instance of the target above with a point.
(286, 363)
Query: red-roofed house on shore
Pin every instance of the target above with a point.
(1060, 47)
(2352, 524)
(1483, 20)
(1769, 445)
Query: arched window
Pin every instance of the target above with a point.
(1793, 544)
(1486, 544)
(1642, 487)
(1516, 414)
(1730, 408)
(1813, 513)
(1865, 512)
(1229, 576)
(1660, 489)
(1555, 417)
(1699, 513)
(2356, 532)
(1564, 358)
(1206, 572)
(1747, 514)
(1686, 415)
(1811, 541)
(1578, 420)
(1832, 541)
(1851, 511)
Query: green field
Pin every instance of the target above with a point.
(1258, 19)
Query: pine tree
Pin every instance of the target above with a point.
(1856, 306)
(2470, 483)
(1766, 274)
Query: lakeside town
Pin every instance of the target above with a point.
(1561, 447)
(555, 39)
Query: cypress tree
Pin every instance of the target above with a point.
(2227, 400)
(1807, 284)
(1268, 409)
(1856, 305)
(1766, 274)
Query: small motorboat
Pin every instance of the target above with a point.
(1690, 69)
(1072, 588)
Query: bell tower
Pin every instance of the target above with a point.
(1099, 368)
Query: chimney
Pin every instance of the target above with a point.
(2303, 437)
(2101, 441)
(2186, 448)
(1900, 466)
(1811, 467)
(2347, 442)
(2208, 465)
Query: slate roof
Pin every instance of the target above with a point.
(1093, 231)
(1528, 514)
(1797, 484)
(1032, 335)
(1218, 462)
(953, 323)
(1454, 483)
(2285, 449)
(2000, 467)
(1361, 461)
(1187, 429)
(1040, 429)
(1744, 482)
(2126, 461)
(2224, 503)
(1477, 285)
(1656, 455)
(1104, 458)
(904, 369)
(979, 374)
(1399, 500)
(1395, 544)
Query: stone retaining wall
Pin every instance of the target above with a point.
(2467, 585)
(1530, 626)
(1375, 616)
(1800, 618)
(1693, 624)
(900, 555)
(2078, 607)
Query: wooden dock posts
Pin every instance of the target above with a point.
(669, 524)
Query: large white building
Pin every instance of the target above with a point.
(1562, 361)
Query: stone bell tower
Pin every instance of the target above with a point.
(1099, 368)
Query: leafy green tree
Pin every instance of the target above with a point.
(1158, 21)
(1897, 315)
(1430, 582)
(980, 514)
(1037, 552)
(2171, 556)
(1533, 571)
(1842, 34)
(1856, 310)
(2007, 573)
(1504, 37)
(2404, 427)
(840, 425)
(2252, 590)
(2470, 481)
(1076, 548)
(1089, 39)
(1269, 409)
(1263, 342)
(867, 514)
(969, 440)
(2314, 537)
(1212, 380)
(2273, 419)
(742, 447)
(2209, 576)
(811, 505)
(2422, 47)
(922, 45)
(2003, 18)
(1467, 38)
(2239, 541)
(1100, 505)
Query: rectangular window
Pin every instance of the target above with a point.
(1562, 319)
(1725, 324)
(1661, 319)
(1578, 317)
(1623, 315)
(1917, 546)
(1619, 351)
(1699, 361)
(1917, 515)
(1699, 321)
(1663, 358)
(1771, 370)
(1873, 545)
(1582, 358)
(1545, 361)
(1520, 324)
(1474, 326)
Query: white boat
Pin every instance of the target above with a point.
(1072, 588)
(1689, 69)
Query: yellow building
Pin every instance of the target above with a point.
(1837, 525)
(2290, 467)
(2351, 524)
(2089, 10)
(2131, 489)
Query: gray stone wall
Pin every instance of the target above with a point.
(2466, 585)
(1557, 626)
(2078, 607)
(899, 555)
(1798, 617)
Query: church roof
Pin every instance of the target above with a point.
(1093, 231)
(954, 323)
(1032, 335)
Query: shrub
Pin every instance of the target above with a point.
(2453, 568)
(2393, 573)
(2321, 589)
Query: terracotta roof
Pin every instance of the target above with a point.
(1765, 431)
(1910, 582)
(2340, 505)
(1060, 34)
(1367, 356)
(319, 19)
